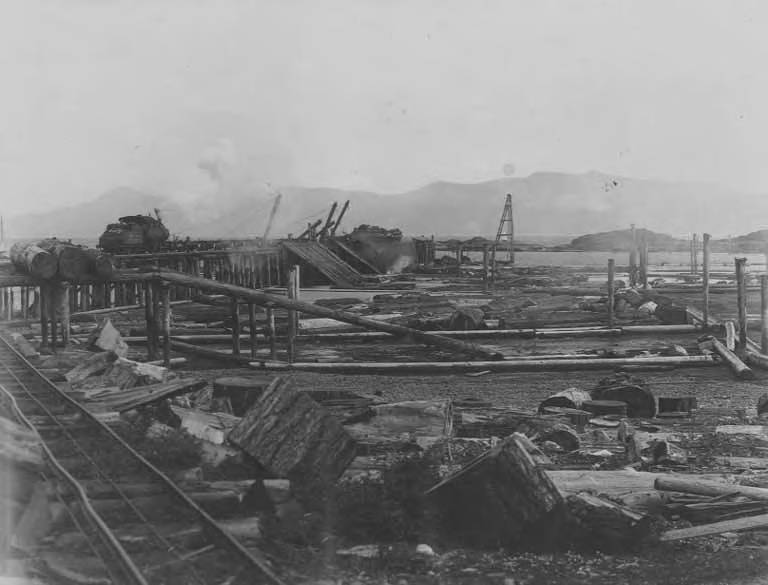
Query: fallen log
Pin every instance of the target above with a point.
(757, 359)
(739, 368)
(292, 436)
(736, 525)
(261, 298)
(670, 483)
(493, 366)
(501, 498)
(34, 260)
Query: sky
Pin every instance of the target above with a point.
(381, 95)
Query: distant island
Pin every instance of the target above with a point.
(622, 241)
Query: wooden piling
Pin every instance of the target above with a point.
(234, 307)
(611, 291)
(252, 327)
(764, 314)
(458, 260)
(43, 308)
(64, 291)
(485, 267)
(165, 295)
(293, 317)
(52, 296)
(705, 278)
(644, 261)
(150, 320)
(271, 333)
(741, 299)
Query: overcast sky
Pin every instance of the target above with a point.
(384, 95)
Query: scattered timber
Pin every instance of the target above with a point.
(739, 368)
(569, 398)
(93, 364)
(262, 298)
(605, 524)
(124, 399)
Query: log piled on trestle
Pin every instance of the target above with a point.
(34, 260)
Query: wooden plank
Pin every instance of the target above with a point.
(736, 525)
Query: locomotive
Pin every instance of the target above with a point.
(135, 233)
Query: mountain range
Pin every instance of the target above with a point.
(545, 203)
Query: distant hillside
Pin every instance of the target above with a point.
(622, 241)
(544, 203)
(88, 220)
(755, 242)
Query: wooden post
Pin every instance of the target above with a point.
(485, 267)
(293, 317)
(252, 327)
(741, 294)
(611, 290)
(458, 260)
(52, 296)
(64, 291)
(633, 267)
(150, 321)
(43, 308)
(705, 279)
(764, 314)
(165, 295)
(235, 314)
(271, 334)
(644, 261)
(695, 253)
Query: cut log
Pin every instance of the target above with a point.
(703, 487)
(569, 398)
(107, 338)
(33, 260)
(739, 368)
(291, 435)
(736, 525)
(100, 265)
(640, 401)
(605, 524)
(209, 353)
(501, 498)
(73, 261)
(94, 364)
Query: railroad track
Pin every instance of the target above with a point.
(151, 535)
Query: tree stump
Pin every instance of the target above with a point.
(501, 498)
(292, 436)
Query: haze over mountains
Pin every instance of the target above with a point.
(545, 204)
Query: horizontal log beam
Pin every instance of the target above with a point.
(543, 365)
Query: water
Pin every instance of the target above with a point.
(719, 261)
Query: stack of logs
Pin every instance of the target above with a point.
(53, 258)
